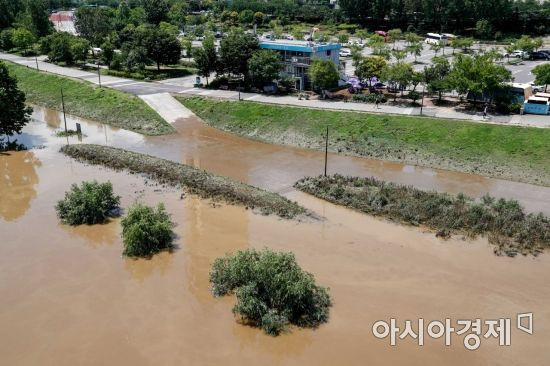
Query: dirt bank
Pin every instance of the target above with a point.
(196, 181)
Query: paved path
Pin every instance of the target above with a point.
(166, 106)
(182, 87)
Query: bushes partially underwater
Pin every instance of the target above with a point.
(504, 221)
(146, 230)
(91, 203)
(272, 290)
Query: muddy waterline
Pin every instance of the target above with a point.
(68, 297)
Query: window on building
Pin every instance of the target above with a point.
(329, 52)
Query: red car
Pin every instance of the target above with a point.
(382, 34)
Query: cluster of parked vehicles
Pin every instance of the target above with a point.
(535, 55)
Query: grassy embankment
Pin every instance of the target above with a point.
(86, 100)
(504, 221)
(514, 153)
(196, 181)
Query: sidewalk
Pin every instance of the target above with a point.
(181, 86)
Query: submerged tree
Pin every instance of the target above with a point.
(146, 230)
(272, 290)
(14, 114)
(91, 203)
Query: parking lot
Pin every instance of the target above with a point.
(521, 72)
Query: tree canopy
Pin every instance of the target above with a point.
(323, 73)
(264, 67)
(15, 114)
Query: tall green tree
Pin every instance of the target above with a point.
(264, 67)
(94, 24)
(478, 74)
(156, 11)
(542, 75)
(436, 76)
(9, 9)
(15, 114)
(371, 67)
(235, 51)
(23, 39)
(206, 58)
(38, 11)
(162, 46)
(323, 74)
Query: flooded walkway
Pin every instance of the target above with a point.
(68, 297)
(275, 167)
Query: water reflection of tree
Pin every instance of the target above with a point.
(97, 235)
(18, 178)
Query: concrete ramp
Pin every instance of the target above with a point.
(167, 107)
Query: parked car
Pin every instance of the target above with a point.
(345, 53)
(538, 56)
(517, 53)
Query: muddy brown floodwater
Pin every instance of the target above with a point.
(68, 297)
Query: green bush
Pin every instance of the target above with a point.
(92, 203)
(146, 231)
(272, 290)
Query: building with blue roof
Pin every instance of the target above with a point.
(297, 56)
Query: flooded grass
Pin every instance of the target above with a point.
(504, 221)
(514, 153)
(197, 181)
(85, 100)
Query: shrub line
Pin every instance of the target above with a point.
(504, 221)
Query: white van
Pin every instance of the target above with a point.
(436, 38)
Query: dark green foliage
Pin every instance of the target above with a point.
(264, 67)
(14, 114)
(94, 24)
(323, 74)
(505, 221)
(235, 51)
(59, 47)
(6, 42)
(272, 290)
(38, 11)
(196, 181)
(146, 230)
(91, 203)
(156, 11)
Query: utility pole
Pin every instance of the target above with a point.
(98, 74)
(239, 90)
(326, 152)
(36, 59)
(63, 108)
(422, 103)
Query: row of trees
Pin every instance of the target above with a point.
(239, 57)
(476, 74)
